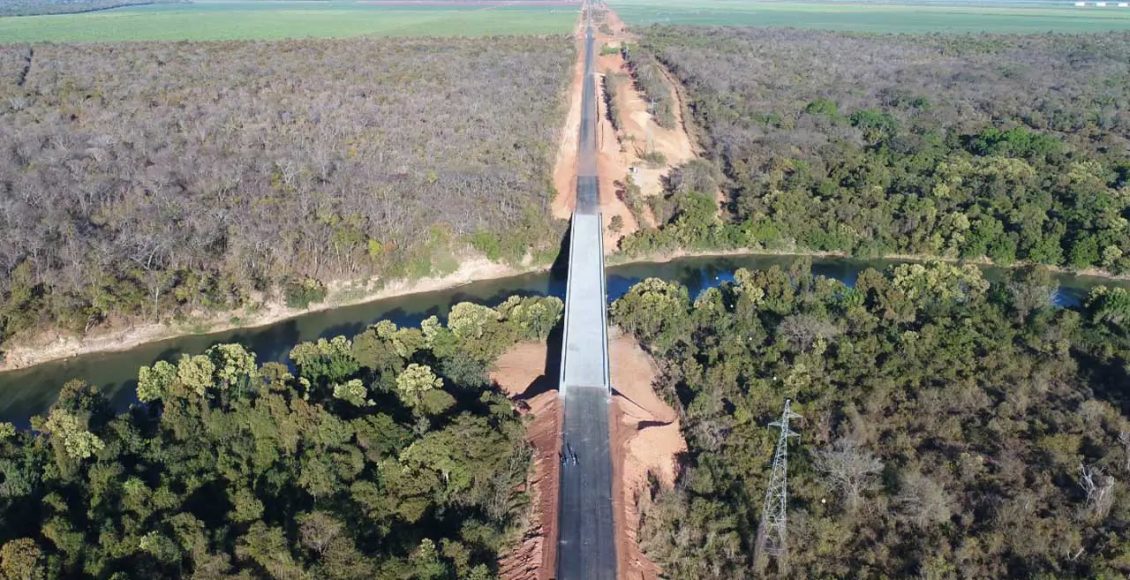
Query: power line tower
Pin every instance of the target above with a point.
(771, 531)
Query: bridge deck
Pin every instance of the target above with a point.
(586, 533)
(584, 356)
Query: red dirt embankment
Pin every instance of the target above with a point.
(521, 374)
(646, 440)
(639, 134)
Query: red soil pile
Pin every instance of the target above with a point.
(520, 371)
(646, 440)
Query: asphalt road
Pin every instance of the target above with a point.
(586, 543)
(587, 198)
(586, 547)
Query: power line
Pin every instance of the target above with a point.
(772, 531)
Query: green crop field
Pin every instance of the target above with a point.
(1018, 17)
(290, 19)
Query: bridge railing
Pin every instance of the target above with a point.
(568, 307)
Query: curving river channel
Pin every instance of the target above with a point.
(31, 391)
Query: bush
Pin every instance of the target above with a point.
(301, 293)
(654, 159)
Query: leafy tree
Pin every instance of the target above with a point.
(414, 382)
(1110, 305)
(325, 360)
(235, 366)
(268, 476)
(653, 308)
(918, 391)
(153, 382)
(21, 559)
(988, 164)
(469, 320)
(534, 317)
(76, 441)
(353, 392)
(195, 373)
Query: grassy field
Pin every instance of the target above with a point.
(272, 20)
(1019, 17)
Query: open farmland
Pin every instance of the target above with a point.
(277, 20)
(145, 177)
(1018, 17)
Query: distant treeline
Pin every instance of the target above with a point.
(1006, 147)
(145, 178)
(32, 7)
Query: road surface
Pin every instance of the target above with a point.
(586, 547)
(586, 543)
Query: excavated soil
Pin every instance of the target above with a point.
(520, 372)
(617, 150)
(621, 151)
(646, 440)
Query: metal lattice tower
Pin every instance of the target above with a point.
(772, 532)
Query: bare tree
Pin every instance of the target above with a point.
(1124, 439)
(922, 500)
(850, 470)
(208, 180)
(317, 529)
(1099, 490)
(802, 331)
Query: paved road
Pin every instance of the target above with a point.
(586, 547)
(586, 544)
(587, 188)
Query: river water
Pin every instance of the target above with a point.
(31, 391)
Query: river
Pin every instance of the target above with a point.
(31, 391)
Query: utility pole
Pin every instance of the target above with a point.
(772, 530)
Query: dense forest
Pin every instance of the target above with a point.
(1012, 148)
(949, 427)
(388, 455)
(30, 7)
(142, 178)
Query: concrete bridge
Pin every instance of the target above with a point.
(586, 545)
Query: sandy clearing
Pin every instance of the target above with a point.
(643, 134)
(646, 440)
(611, 169)
(638, 135)
(520, 372)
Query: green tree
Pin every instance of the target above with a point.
(153, 382)
(353, 392)
(325, 360)
(196, 372)
(534, 317)
(469, 320)
(77, 442)
(22, 559)
(654, 309)
(235, 366)
(416, 380)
